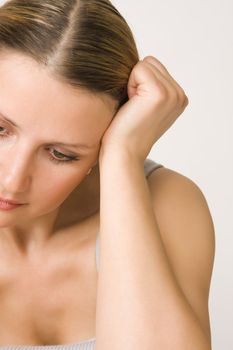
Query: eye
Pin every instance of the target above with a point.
(2, 133)
(55, 155)
(59, 157)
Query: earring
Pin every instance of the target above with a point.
(89, 171)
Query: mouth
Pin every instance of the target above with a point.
(9, 201)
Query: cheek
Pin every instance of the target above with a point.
(52, 192)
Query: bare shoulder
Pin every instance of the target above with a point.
(187, 231)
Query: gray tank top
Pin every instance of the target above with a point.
(88, 344)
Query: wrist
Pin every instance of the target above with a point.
(122, 154)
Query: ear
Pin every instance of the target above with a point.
(89, 171)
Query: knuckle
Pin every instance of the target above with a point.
(138, 65)
(148, 58)
(184, 100)
(182, 97)
(162, 92)
(174, 98)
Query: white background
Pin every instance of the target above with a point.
(193, 39)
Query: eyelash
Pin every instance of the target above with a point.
(69, 159)
(58, 161)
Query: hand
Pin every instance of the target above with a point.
(155, 102)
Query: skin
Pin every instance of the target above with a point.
(155, 238)
(56, 113)
(142, 290)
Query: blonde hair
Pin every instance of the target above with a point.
(85, 43)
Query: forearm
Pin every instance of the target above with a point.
(139, 302)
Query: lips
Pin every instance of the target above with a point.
(9, 201)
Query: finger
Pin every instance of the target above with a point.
(169, 87)
(156, 63)
(143, 76)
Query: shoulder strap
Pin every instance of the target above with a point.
(150, 165)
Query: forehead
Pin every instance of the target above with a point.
(28, 91)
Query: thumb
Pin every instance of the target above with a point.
(132, 82)
(141, 80)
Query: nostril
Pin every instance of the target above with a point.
(17, 172)
(14, 183)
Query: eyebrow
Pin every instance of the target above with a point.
(75, 145)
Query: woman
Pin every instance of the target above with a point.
(79, 114)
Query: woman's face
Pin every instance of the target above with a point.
(40, 119)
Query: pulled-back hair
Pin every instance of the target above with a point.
(85, 43)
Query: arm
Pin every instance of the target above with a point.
(141, 302)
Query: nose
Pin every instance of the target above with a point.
(17, 175)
